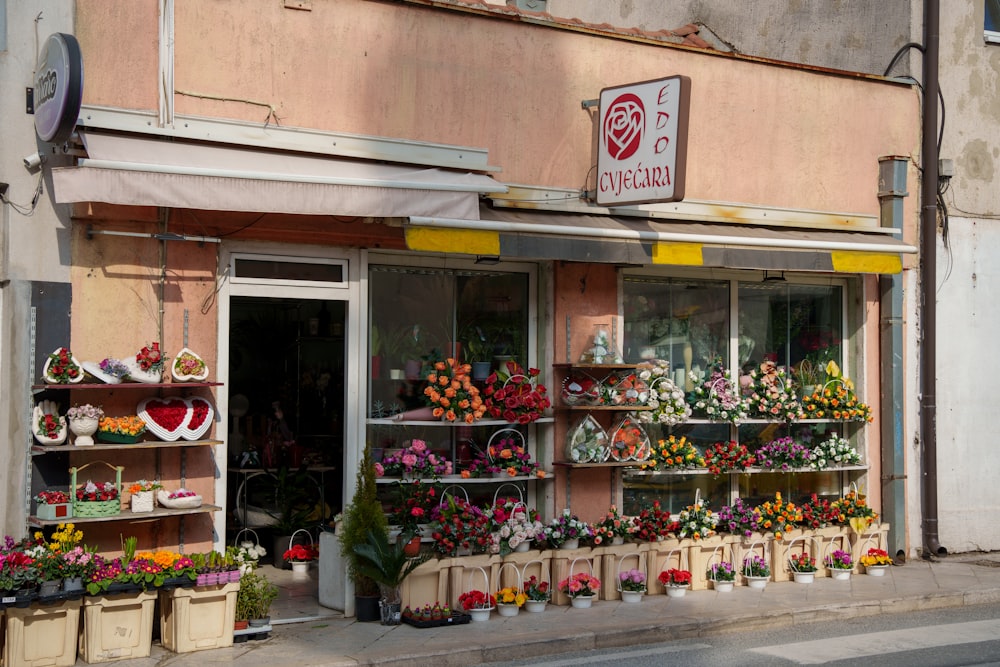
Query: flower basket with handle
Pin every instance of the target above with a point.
(677, 580)
(300, 567)
(481, 611)
(631, 584)
(802, 564)
(720, 572)
(509, 598)
(581, 588)
(84, 506)
(504, 455)
(755, 569)
(536, 590)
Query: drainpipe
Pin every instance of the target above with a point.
(928, 282)
(891, 192)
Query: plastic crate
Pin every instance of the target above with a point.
(117, 626)
(194, 619)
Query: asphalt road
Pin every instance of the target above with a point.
(941, 638)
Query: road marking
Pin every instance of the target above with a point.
(621, 655)
(880, 643)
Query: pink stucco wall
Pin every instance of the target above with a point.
(761, 134)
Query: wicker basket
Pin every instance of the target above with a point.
(96, 508)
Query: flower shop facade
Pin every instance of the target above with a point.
(421, 214)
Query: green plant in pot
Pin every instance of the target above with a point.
(362, 515)
(387, 564)
(254, 599)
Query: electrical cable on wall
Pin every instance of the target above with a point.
(26, 209)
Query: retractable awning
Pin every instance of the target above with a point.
(510, 233)
(141, 171)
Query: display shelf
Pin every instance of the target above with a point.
(37, 450)
(604, 408)
(126, 385)
(435, 422)
(594, 367)
(748, 471)
(603, 464)
(458, 479)
(158, 513)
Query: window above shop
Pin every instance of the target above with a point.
(991, 24)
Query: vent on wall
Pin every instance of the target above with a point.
(531, 5)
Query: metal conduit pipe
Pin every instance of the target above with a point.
(928, 283)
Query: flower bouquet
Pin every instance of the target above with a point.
(653, 524)
(696, 521)
(770, 394)
(511, 595)
(62, 368)
(836, 400)
(587, 442)
(632, 584)
(566, 531)
(721, 573)
(451, 394)
(832, 452)
(188, 367)
(613, 528)
(508, 456)
(147, 367)
(413, 462)
(675, 581)
(727, 456)
(537, 594)
(414, 505)
(778, 516)
(839, 563)
(515, 395)
(783, 455)
(665, 399)
(458, 525)
(629, 441)
(674, 453)
(581, 390)
(718, 398)
(738, 519)
(853, 510)
(756, 571)
(83, 421)
(109, 370)
(803, 567)
(476, 599)
(876, 561)
(512, 526)
(50, 428)
(581, 588)
(301, 553)
(816, 513)
(624, 389)
(121, 430)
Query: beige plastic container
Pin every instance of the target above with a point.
(117, 626)
(42, 635)
(194, 619)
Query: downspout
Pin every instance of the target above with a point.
(928, 282)
(891, 192)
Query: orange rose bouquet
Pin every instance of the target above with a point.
(451, 394)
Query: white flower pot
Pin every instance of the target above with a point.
(535, 606)
(675, 591)
(300, 569)
(876, 570)
(632, 596)
(523, 546)
(508, 609)
(480, 615)
(83, 429)
(570, 544)
(723, 586)
(582, 601)
(840, 575)
(136, 374)
(803, 577)
(618, 540)
(758, 583)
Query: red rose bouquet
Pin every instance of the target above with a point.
(515, 395)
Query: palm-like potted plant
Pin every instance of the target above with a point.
(387, 564)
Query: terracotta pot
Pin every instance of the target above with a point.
(412, 548)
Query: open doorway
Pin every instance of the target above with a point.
(287, 416)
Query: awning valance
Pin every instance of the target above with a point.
(593, 238)
(140, 171)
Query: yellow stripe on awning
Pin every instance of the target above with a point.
(683, 254)
(465, 241)
(846, 261)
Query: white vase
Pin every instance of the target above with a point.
(570, 544)
(479, 615)
(507, 609)
(141, 501)
(582, 601)
(840, 575)
(758, 583)
(617, 540)
(83, 428)
(300, 569)
(523, 546)
(876, 570)
(676, 591)
(803, 577)
(535, 606)
(632, 596)
(723, 586)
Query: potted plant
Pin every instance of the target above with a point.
(364, 514)
(876, 562)
(387, 564)
(478, 350)
(675, 582)
(254, 599)
(722, 575)
(840, 564)
(478, 603)
(300, 555)
(756, 571)
(566, 530)
(803, 568)
(510, 599)
(537, 592)
(581, 588)
(632, 585)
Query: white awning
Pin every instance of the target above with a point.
(609, 239)
(139, 171)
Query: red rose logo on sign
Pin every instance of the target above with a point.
(623, 126)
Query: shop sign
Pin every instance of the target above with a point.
(642, 149)
(58, 87)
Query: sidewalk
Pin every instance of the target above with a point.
(952, 582)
